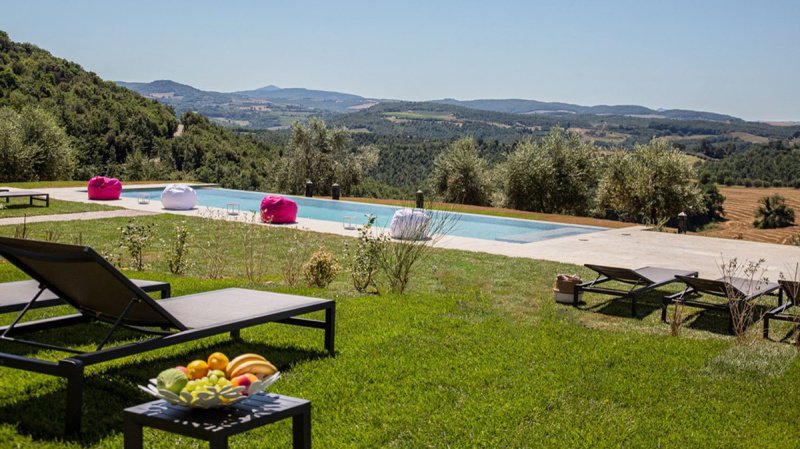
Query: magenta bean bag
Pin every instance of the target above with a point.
(102, 188)
(277, 209)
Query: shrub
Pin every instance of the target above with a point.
(321, 268)
(773, 212)
(556, 175)
(135, 238)
(777, 183)
(363, 259)
(653, 182)
(728, 182)
(748, 182)
(33, 146)
(796, 183)
(460, 175)
(291, 267)
(178, 254)
(398, 259)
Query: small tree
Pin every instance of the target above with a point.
(33, 147)
(556, 175)
(651, 183)
(460, 175)
(319, 154)
(363, 258)
(135, 238)
(398, 259)
(773, 212)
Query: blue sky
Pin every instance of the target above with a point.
(735, 57)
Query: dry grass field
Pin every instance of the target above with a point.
(740, 206)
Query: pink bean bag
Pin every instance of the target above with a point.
(102, 188)
(277, 209)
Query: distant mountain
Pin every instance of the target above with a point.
(518, 106)
(309, 98)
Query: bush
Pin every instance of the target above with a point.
(652, 182)
(556, 175)
(135, 238)
(748, 182)
(796, 183)
(364, 257)
(773, 212)
(460, 175)
(777, 183)
(178, 255)
(321, 268)
(33, 147)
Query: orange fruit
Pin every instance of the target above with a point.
(218, 361)
(196, 370)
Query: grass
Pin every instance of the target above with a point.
(19, 207)
(476, 354)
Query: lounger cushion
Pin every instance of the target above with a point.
(14, 295)
(231, 304)
(278, 210)
(409, 224)
(178, 197)
(102, 188)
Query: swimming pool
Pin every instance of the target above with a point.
(467, 225)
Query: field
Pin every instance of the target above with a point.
(740, 206)
(475, 354)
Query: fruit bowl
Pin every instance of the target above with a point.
(215, 382)
(210, 397)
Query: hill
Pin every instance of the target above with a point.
(517, 106)
(118, 132)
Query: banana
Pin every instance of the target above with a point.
(260, 368)
(233, 364)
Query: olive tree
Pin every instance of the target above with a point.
(319, 154)
(651, 183)
(33, 147)
(460, 175)
(557, 174)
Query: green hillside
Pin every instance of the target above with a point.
(115, 131)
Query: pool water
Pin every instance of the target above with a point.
(466, 225)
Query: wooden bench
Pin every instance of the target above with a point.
(215, 426)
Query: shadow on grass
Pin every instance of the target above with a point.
(107, 393)
(621, 306)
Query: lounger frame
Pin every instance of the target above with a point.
(72, 367)
(713, 287)
(792, 291)
(639, 284)
(30, 194)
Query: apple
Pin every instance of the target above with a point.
(245, 380)
(181, 369)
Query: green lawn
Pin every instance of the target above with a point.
(476, 354)
(19, 207)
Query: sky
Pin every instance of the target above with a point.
(733, 57)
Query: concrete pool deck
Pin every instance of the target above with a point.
(631, 247)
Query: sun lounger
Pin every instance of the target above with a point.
(14, 296)
(100, 293)
(30, 194)
(741, 290)
(791, 289)
(641, 280)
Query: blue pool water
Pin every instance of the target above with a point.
(467, 225)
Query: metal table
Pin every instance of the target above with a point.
(215, 426)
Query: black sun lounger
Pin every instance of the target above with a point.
(641, 280)
(99, 292)
(14, 296)
(742, 289)
(791, 289)
(30, 194)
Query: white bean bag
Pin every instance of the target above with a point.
(178, 197)
(409, 224)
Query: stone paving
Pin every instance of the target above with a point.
(631, 247)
